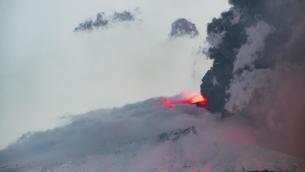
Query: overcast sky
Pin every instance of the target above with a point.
(48, 71)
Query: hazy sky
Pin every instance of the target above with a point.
(48, 71)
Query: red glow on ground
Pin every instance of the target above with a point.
(186, 97)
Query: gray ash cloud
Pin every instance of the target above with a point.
(258, 48)
(102, 21)
(183, 27)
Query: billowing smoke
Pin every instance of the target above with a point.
(258, 71)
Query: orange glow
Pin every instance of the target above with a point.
(167, 103)
(186, 97)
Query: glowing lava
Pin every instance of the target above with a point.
(186, 97)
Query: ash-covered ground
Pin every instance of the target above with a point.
(146, 137)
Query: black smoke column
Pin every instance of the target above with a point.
(258, 48)
(217, 80)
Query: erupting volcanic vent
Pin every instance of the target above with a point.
(186, 97)
(253, 97)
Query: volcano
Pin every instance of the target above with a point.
(141, 137)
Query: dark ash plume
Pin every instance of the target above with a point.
(258, 48)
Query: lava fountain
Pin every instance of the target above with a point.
(186, 97)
